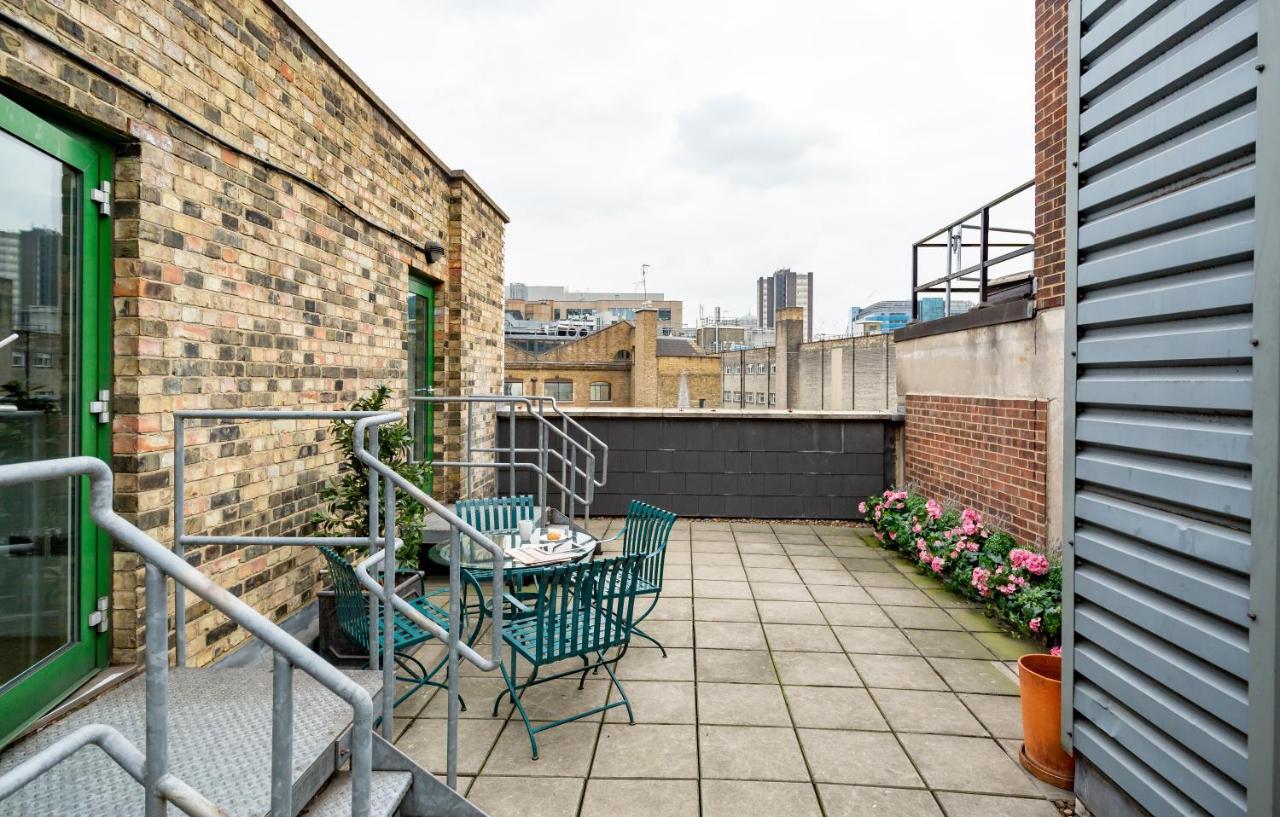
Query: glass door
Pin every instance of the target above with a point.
(422, 326)
(54, 564)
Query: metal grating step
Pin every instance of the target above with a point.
(389, 789)
(219, 743)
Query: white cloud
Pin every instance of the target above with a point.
(714, 141)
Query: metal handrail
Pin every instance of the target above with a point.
(161, 562)
(458, 526)
(123, 752)
(591, 438)
(568, 455)
(954, 243)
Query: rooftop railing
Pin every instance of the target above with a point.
(995, 246)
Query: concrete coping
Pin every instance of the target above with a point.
(727, 414)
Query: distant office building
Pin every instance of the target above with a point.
(551, 304)
(782, 289)
(933, 308)
(882, 317)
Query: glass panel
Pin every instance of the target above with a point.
(420, 370)
(39, 402)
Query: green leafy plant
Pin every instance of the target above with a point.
(346, 496)
(1019, 586)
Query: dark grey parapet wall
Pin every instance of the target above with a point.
(706, 463)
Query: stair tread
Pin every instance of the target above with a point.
(388, 789)
(219, 743)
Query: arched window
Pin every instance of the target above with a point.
(513, 388)
(601, 392)
(622, 354)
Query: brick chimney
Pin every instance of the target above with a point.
(790, 328)
(644, 360)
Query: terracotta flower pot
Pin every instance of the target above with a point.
(1040, 680)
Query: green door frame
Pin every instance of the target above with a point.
(33, 694)
(423, 288)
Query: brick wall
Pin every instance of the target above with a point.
(983, 452)
(268, 212)
(1050, 151)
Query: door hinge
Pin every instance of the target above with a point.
(102, 195)
(101, 407)
(98, 619)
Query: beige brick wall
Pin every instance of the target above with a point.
(268, 211)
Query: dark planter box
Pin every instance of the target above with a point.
(334, 644)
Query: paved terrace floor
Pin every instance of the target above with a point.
(808, 674)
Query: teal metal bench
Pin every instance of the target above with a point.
(579, 611)
(353, 618)
(645, 533)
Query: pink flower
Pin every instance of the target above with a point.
(955, 553)
(1034, 624)
(979, 580)
(877, 513)
(916, 528)
(893, 534)
(862, 507)
(933, 508)
(1056, 651)
(937, 564)
(1008, 589)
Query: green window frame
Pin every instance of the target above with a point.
(32, 694)
(420, 332)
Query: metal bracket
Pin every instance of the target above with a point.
(102, 195)
(102, 407)
(98, 619)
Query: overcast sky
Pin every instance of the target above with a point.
(713, 141)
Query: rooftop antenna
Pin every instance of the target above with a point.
(644, 278)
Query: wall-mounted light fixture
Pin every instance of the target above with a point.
(434, 251)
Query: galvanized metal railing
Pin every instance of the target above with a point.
(577, 458)
(381, 543)
(161, 564)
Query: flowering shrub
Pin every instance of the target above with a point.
(1022, 587)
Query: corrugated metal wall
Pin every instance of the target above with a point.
(1160, 396)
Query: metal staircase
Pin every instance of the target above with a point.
(259, 741)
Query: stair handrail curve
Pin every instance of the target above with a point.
(120, 749)
(162, 562)
(591, 438)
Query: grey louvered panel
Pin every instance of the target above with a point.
(1218, 338)
(1175, 161)
(1178, 534)
(1199, 731)
(1219, 195)
(1194, 485)
(1226, 439)
(1222, 241)
(1223, 388)
(1217, 692)
(1201, 292)
(1208, 637)
(1202, 585)
(1201, 782)
(1124, 18)
(1151, 791)
(1167, 27)
(1228, 38)
(1180, 113)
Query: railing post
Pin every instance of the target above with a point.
(984, 253)
(157, 683)
(388, 610)
(467, 453)
(455, 632)
(282, 737)
(543, 459)
(179, 526)
(511, 452)
(373, 479)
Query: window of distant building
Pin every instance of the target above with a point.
(728, 396)
(622, 354)
(773, 368)
(18, 359)
(559, 389)
(773, 399)
(513, 388)
(760, 397)
(42, 360)
(751, 398)
(601, 392)
(664, 314)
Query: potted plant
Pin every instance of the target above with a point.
(1040, 683)
(346, 511)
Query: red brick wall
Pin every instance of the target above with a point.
(982, 452)
(1051, 151)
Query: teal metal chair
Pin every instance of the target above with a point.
(489, 515)
(580, 611)
(353, 619)
(645, 533)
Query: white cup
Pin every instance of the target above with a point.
(525, 526)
